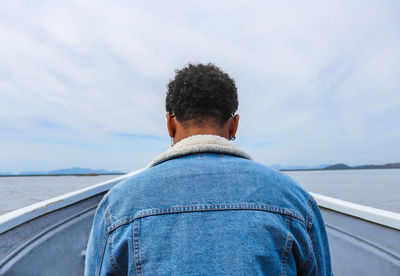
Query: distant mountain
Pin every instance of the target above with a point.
(385, 166)
(78, 170)
(342, 166)
(71, 171)
(5, 173)
(297, 167)
(392, 165)
(31, 173)
(86, 171)
(339, 166)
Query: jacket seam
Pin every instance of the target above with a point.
(288, 246)
(286, 251)
(205, 208)
(198, 144)
(106, 235)
(312, 252)
(310, 203)
(102, 254)
(107, 216)
(286, 221)
(317, 257)
(113, 263)
(196, 153)
(136, 247)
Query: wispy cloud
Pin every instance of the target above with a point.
(135, 136)
(83, 82)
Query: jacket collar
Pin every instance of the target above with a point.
(200, 143)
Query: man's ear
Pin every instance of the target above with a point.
(171, 125)
(234, 125)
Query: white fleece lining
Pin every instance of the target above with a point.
(200, 143)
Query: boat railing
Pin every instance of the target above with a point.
(14, 218)
(363, 240)
(19, 216)
(378, 216)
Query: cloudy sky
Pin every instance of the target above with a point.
(82, 83)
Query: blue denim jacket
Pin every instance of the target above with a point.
(208, 214)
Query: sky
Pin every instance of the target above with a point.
(83, 83)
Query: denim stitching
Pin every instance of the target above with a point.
(107, 211)
(316, 255)
(138, 240)
(102, 254)
(136, 247)
(310, 203)
(285, 254)
(286, 221)
(113, 263)
(206, 207)
(311, 253)
(220, 207)
(286, 251)
(107, 216)
(106, 235)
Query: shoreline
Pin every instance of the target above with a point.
(282, 170)
(349, 169)
(83, 174)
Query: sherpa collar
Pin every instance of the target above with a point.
(200, 143)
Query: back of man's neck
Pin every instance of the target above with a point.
(187, 132)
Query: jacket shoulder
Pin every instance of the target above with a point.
(208, 180)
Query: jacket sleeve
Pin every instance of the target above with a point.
(319, 241)
(96, 261)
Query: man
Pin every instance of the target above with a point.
(204, 207)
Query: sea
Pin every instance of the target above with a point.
(378, 188)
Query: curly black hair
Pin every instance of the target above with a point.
(201, 92)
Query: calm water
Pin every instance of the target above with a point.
(18, 192)
(375, 188)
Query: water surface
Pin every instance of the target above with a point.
(379, 188)
(375, 188)
(20, 191)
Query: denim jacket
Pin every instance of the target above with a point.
(205, 208)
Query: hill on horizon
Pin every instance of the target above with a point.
(86, 171)
(341, 166)
(67, 171)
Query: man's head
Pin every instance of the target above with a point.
(203, 100)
